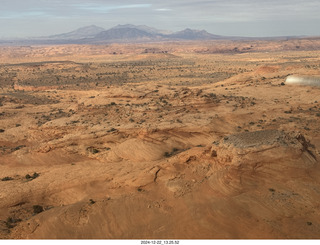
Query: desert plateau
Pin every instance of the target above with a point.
(160, 140)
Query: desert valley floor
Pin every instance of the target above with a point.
(159, 141)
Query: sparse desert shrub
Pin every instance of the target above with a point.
(173, 152)
(212, 95)
(37, 209)
(32, 177)
(167, 154)
(111, 130)
(18, 147)
(6, 178)
(92, 150)
(12, 222)
(2, 130)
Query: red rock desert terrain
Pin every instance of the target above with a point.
(190, 140)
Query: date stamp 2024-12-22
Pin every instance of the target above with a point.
(160, 242)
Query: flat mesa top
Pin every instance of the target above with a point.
(253, 139)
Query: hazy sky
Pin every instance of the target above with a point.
(25, 18)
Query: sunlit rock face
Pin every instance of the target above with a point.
(303, 80)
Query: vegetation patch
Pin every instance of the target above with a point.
(37, 209)
(92, 150)
(172, 153)
(32, 177)
(6, 178)
(12, 222)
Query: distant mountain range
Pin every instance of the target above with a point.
(81, 33)
(128, 33)
(123, 33)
